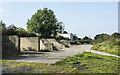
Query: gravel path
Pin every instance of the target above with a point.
(52, 57)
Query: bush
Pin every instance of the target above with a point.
(59, 37)
(23, 32)
(116, 35)
(17, 31)
(101, 37)
(111, 46)
(62, 38)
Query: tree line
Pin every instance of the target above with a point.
(43, 23)
(13, 30)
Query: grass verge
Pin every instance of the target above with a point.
(111, 46)
(81, 63)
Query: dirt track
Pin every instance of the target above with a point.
(52, 57)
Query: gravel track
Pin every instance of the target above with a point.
(52, 57)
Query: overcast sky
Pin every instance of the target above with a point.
(81, 18)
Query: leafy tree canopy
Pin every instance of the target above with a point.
(79, 38)
(2, 25)
(102, 37)
(86, 38)
(12, 27)
(11, 30)
(22, 32)
(65, 32)
(116, 35)
(44, 22)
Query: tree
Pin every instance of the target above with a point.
(45, 23)
(2, 28)
(116, 35)
(11, 30)
(2, 25)
(65, 32)
(12, 27)
(102, 37)
(86, 38)
(22, 32)
(79, 38)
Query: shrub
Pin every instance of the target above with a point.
(116, 35)
(11, 30)
(111, 46)
(59, 37)
(62, 38)
(101, 37)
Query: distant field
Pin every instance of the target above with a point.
(81, 63)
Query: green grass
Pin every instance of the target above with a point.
(110, 46)
(92, 63)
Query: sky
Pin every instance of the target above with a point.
(80, 18)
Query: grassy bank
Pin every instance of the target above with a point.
(81, 63)
(110, 46)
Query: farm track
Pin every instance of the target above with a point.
(52, 57)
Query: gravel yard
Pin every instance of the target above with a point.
(52, 57)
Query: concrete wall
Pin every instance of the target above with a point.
(29, 44)
(34, 44)
(66, 43)
(56, 44)
(10, 44)
(45, 45)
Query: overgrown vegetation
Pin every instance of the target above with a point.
(107, 43)
(92, 63)
(86, 63)
(13, 30)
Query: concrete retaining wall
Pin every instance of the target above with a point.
(29, 44)
(45, 45)
(66, 43)
(10, 44)
(56, 44)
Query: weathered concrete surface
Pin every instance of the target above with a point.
(45, 45)
(36, 44)
(29, 44)
(65, 43)
(56, 44)
(10, 44)
(52, 57)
